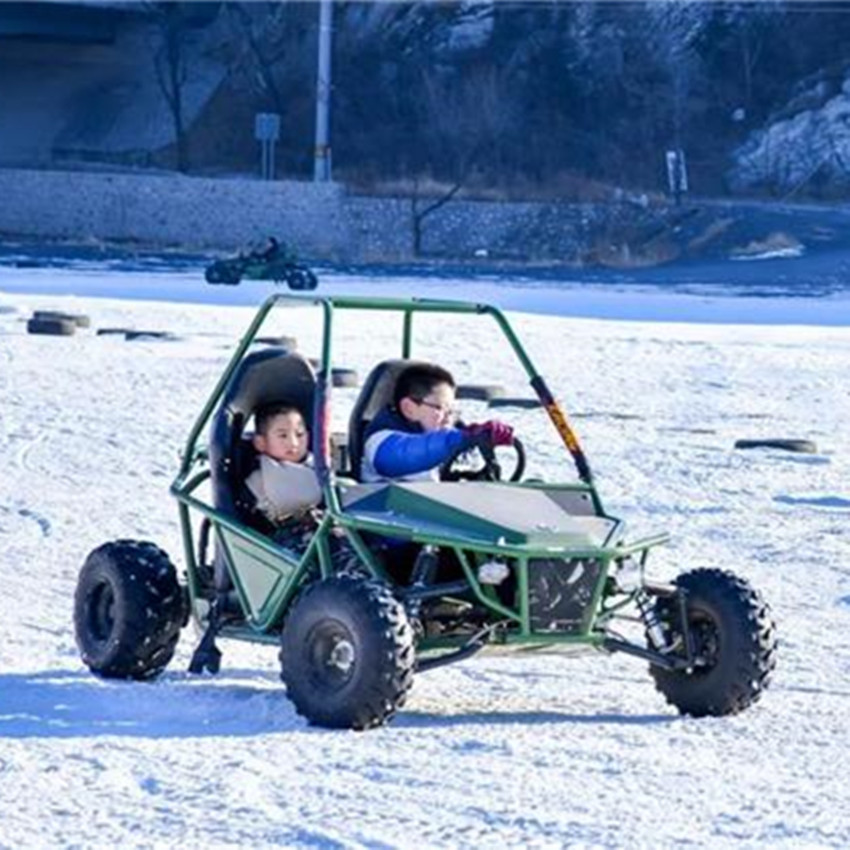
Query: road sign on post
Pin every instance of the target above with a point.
(267, 133)
(677, 174)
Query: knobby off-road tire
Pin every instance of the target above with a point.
(732, 631)
(347, 653)
(128, 610)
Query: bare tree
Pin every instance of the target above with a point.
(270, 57)
(418, 214)
(259, 28)
(673, 30)
(171, 66)
(462, 120)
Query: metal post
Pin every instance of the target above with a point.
(322, 165)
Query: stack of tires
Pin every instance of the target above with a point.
(55, 323)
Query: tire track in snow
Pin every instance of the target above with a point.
(22, 456)
(44, 524)
(6, 370)
(835, 503)
(41, 521)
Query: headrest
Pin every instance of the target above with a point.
(377, 393)
(271, 376)
(380, 386)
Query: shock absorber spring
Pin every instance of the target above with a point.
(649, 615)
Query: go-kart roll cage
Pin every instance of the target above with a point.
(269, 603)
(321, 432)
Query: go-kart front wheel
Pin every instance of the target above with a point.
(733, 639)
(347, 653)
(301, 279)
(128, 610)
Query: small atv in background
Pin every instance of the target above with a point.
(489, 561)
(276, 262)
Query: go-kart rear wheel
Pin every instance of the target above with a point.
(224, 271)
(347, 653)
(128, 610)
(733, 639)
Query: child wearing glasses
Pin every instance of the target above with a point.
(410, 439)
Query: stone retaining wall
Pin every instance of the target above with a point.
(321, 220)
(511, 231)
(172, 210)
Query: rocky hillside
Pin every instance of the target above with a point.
(522, 100)
(547, 99)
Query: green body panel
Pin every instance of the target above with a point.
(526, 524)
(270, 270)
(480, 513)
(259, 577)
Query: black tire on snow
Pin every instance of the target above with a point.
(301, 279)
(79, 319)
(224, 271)
(290, 343)
(347, 653)
(113, 331)
(128, 610)
(732, 629)
(479, 392)
(793, 445)
(51, 327)
(344, 378)
(522, 403)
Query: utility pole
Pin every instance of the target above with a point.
(322, 164)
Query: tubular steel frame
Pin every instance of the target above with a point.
(262, 624)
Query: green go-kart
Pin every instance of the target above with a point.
(488, 565)
(278, 264)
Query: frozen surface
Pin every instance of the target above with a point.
(494, 752)
(733, 293)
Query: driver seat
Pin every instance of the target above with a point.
(377, 393)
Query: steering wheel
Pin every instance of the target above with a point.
(491, 469)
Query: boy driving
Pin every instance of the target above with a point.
(411, 438)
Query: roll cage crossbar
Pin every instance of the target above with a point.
(321, 414)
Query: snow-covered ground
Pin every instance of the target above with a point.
(494, 752)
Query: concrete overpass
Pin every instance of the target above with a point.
(79, 82)
(69, 23)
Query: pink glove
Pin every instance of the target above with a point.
(494, 433)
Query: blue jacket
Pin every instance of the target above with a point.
(395, 447)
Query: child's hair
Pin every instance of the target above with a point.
(264, 415)
(417, 381)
